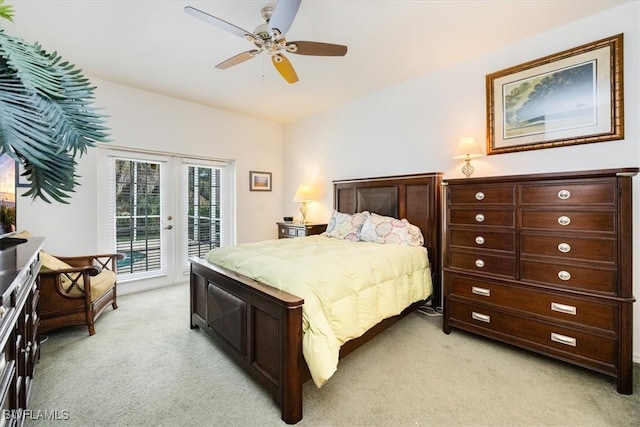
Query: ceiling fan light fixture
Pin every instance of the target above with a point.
(291, 47)
(275, 33)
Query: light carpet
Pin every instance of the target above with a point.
(146, 367)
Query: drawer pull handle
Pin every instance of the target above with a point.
(564, 247)
(479, 263)
(564, 275)
(479, 217)
(564, 220)
(564, 194)
(479, 195)
(481, 317)
(481, 291)
(480, 240)
(563, 308)
(563, 339)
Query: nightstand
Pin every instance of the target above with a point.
(295, 229)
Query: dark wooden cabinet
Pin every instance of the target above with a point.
(19, 321)
(544, 262)
(294, 229)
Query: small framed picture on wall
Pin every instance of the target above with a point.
(259, 181)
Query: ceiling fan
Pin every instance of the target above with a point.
(270, 38)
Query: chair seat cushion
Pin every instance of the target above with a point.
(49, 262)
(100, 283)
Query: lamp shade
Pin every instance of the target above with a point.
(304, 193)
(468, 148)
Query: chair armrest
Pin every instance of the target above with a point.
(91, 270)
(73, 275)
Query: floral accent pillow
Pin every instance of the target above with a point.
(389, 230)
(345, 226)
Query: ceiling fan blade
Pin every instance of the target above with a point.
(282, 17)
(237, 59)
(316, 48)
(285, 68)
(223, 25)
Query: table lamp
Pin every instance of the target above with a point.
(468, 149)
(304, 194)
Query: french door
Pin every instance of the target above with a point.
(163, 209)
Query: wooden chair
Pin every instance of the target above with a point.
(76, 290)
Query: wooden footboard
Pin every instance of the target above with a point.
(259, 326)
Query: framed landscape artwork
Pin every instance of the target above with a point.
(572, 97)
(259, 181)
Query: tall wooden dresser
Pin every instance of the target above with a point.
(544, 262)
(19, 322)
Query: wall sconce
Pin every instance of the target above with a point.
(304, 194)
(468, 149)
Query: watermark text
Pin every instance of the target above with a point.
(35, 414)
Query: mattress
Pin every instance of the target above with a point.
(347, 287)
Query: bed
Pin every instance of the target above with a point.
(261, 327)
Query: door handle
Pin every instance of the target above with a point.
(169, 227)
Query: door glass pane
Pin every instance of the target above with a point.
(137, 216)
(203, 210)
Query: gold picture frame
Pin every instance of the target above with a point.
(572, 97)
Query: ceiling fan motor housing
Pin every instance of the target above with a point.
(262, 31)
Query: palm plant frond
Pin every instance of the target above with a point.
(47, 116)
(6, 11)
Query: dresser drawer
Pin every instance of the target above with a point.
(491, 217)
(545, 336)
(482, 194)
(554, 305)
(570, 193)
(569, 220)
(569, 276)
(482, 239)
(569, 247)
(481, 262)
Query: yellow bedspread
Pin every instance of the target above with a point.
(347, 287)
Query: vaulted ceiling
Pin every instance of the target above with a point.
(156, 46)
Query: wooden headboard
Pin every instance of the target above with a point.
(417, 198)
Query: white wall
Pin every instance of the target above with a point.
(145, 120)
(415, 126)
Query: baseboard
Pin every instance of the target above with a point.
(140, 286)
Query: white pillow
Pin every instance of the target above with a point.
(389, 230)
(345, 226)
